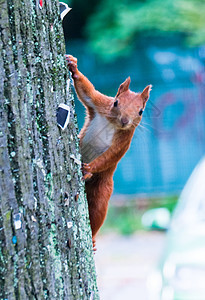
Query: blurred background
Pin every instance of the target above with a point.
(160, 43)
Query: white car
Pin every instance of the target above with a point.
(181, 271)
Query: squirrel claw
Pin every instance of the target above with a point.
(87, 176)
(94, 246)
(86, 171)
(85, 167)
(72, 64)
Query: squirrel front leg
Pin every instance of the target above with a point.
(110, 157)
(86, 92)
(101, 163)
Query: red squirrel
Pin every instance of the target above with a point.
(105, 137)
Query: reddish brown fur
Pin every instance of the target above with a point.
(123, 119)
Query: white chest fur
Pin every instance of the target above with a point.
(98, 138)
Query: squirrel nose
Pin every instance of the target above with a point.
(124, 121)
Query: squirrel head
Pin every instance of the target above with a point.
(128, 106)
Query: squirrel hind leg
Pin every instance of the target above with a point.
(94, 244)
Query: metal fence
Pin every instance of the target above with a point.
(171, 138)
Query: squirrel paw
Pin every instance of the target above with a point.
(72, 65)
(86, 171)
(94, 246)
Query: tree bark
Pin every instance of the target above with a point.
(45, 238)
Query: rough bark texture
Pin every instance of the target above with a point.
(45, 239)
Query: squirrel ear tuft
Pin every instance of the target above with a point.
(124, 86)
(145, 93)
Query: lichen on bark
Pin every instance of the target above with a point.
(45, 238)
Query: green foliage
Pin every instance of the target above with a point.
(114, 27)
(69, 2)
(125, 218)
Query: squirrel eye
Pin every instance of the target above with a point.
(141, 111)
(116, 103)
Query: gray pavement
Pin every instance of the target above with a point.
(123, 264)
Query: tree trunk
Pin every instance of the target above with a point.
(45, 238)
